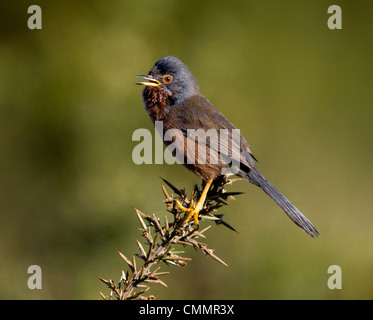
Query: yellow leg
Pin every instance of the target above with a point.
(194, 211)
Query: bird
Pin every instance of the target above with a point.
(172, 96)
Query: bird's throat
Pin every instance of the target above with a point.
(157, 102)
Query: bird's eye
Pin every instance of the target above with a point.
(167, 79)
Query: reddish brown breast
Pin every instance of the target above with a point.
(157, 101)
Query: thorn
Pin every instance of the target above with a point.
(143, 252)
(139, 215)
(176, 190)
(103, 296)
(127, 260)
(166, 193)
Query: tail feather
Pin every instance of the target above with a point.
(254, 176)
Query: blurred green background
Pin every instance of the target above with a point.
(300, 93)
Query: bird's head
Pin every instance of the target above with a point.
(168, 82)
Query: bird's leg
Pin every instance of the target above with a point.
(194, 211)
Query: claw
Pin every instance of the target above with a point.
(194, 211)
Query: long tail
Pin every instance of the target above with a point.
(255, 177)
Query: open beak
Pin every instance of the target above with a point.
(152, 82)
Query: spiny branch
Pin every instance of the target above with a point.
(162, 237)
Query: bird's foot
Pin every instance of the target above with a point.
(193, 211)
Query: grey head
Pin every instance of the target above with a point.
(174, 77)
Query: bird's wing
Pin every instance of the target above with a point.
(198, 113)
